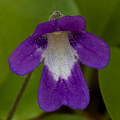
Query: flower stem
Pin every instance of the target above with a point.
(19, 96)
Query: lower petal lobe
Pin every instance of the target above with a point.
(91, 50)
(72, 92)
(28, 55)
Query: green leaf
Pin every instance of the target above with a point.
(109, 80)
(63, 117)
(28, 106)
(18, 20)
(112, 31)
(88, 74)
(102, 18)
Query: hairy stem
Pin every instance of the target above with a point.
(19, 96)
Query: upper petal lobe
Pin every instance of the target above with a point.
(46, 27)
(72, 23)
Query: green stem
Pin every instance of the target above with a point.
(19, 96)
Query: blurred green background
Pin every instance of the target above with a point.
(18, 20)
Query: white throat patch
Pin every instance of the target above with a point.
(59, 55)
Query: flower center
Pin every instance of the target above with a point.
(59, 55)
(56, 33)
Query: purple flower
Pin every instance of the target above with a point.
(60, 42)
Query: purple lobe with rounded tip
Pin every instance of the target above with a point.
(72, 92)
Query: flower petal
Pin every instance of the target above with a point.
(48, 98)
(72, 23)
(91, 50)
(46, 27)
(28, 55)
(72, 92)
